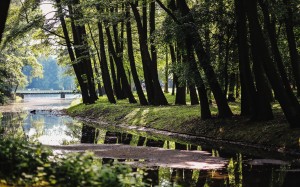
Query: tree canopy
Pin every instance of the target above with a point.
(215, 51)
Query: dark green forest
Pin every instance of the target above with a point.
(213, 51)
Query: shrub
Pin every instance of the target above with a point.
(22, 163)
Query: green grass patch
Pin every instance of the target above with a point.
(186, 119)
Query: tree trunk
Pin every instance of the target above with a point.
(141, 95)
(82, 52)
(98, 82)
(193, 95)
(76, 66)
(173, 58)
(180, 97)
(294, 55)
(290, 108)
(153, 88)
(204, 104)
(159, 97)
(192, 32)
(166, 90)
(248, 90)
(103, 65)
(271, 29)
(120, 67)
(231, 97)
(4, 6)
(144, 54)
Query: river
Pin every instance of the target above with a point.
(40, 119)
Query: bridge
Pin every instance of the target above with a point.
(62, 93)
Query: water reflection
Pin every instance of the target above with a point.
(42, 127)
(241, 170)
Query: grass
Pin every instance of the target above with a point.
(186, 119)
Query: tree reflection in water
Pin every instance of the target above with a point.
(238, 172)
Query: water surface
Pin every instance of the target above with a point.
(244, 168)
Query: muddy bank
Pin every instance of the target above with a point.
(273, 135)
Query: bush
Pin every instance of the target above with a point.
(27, 164)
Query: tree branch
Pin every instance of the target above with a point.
(168, 11)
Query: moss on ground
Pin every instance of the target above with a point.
(186, 120)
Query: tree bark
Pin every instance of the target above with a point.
(192, 32)
(270, 26)
(97, 73)
(120, 67)
(76, 66)
(82, 52)
(144, 54)
(290, 108)
(137, 83)
(153, 88)
(4, 6)
(193, 95)
(294, 55)
(103, 64)
(248, 90)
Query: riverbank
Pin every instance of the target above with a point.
(274, 134)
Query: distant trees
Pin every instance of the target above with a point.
(52, 77)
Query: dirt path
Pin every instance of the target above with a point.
(151, 156)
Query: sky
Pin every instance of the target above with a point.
(47, 9)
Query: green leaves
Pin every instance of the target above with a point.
(25, 164)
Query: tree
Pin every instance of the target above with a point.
(289, 105)
(4, 6)
(141, 95)
(154, 92)
(204, 61)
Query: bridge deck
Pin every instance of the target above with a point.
(27, 92)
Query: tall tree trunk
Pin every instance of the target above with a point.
(290, 108)
(232, 81)
(103, 64)
(270, 25)
(159, 97)
(120, 67)
(173, 58)
(180, 97)
(204, 104)
(153, 88)
(82, 52)
(146, 60)
(116, 84)
(98, 82)
(192, 32)
(227, 49)
(4, 6)
(193, 95)
(248, 90)
(294, 55)
(137, 83)
(166, 85)
(76, 66)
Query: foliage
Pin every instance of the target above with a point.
(28, 164)
(17, 48)
(53, 76)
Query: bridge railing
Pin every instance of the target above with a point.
(22, 93)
